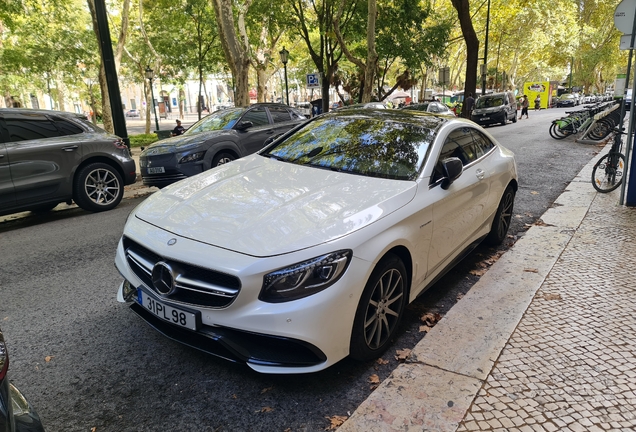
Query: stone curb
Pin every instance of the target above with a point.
(435, 387)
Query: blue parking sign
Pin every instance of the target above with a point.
(313, 80)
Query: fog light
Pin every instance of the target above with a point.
(128, 291)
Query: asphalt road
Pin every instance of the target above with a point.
(87, 363)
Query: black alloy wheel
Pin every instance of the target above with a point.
(503, 217)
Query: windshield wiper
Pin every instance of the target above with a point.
(273, 156)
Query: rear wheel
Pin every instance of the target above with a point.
(607, 173)
(380, 309)
(503, 217)
(98, 187)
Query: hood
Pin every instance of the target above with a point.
(263, 207)
(183, 142)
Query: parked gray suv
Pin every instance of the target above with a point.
(49, 157)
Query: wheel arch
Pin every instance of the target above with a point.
(221, 147)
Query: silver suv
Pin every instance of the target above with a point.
(49, 157)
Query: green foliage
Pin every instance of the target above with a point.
(142, 139)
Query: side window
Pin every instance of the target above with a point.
(482, 141)
(66, 127)
(257, 116)
(30, 127)
(465, 146)
(279, 115)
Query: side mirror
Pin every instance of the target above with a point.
(244, 125)
(453, 168)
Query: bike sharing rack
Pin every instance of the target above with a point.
(597, 117)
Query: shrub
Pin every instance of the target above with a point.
(142, 139)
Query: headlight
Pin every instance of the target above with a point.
(305, 278)
(192, 157)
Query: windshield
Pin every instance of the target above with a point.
(488, 102)
(223, 119)
(373, 146)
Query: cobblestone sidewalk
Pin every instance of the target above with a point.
(571, 363)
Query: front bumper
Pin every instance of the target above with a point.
(300, 336)
(489, 118)
(172, 171)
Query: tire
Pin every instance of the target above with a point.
(604, 177)
(601, 130)
(380, 309)
(503, 217)
(514, 119)
(98, 187)
(557, 133)
(222, 158)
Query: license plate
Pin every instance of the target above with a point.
(156, 170)
(485, 118)
(167, 313)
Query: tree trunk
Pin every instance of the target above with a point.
(472, 47)
(235, 53)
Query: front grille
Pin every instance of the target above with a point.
(194, 285)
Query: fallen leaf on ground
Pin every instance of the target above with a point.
(336, 422)
(48, 358)
(479, 272)
(534, 193)
(374, 379)
(265, 409)
(234, 396)
(430, 319)
(265, 390)
(552, 297)
(93, 429)
(424, 328)
(402, 354)
(531, 270)
(382, 361)
(459, 296)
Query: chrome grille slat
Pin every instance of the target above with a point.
(195, 285)
(143, 263)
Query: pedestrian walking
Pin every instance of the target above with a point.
(537, 103)
(524, 106)
(470, 101)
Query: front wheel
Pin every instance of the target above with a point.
(222, 158)
(503, 217)
(98, 187)
(380, 309)
(607, 173)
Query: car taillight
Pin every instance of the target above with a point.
(120, 144)
(4, 358)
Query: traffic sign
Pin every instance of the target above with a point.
(313, 80)
(624, 16)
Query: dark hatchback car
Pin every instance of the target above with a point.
(49, 157)
(215, 140)
(566, 100)
(16, 414)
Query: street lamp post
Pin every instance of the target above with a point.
(284, 55)
(483, 77)
(150, 74)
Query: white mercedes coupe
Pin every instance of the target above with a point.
(309, 251)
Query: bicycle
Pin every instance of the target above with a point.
(607, 174)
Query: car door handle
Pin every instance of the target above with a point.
(480, 174)
(69, 148)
